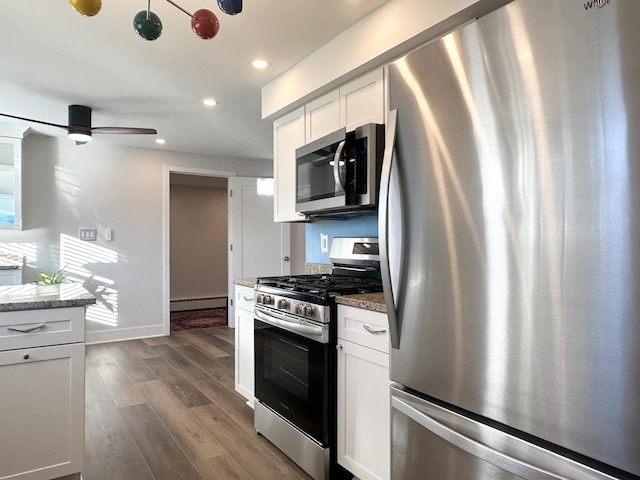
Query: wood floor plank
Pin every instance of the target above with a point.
(95, 388)
(230, 402)
(225, 333)
(229, 362)
(184, 390)
(253, 457)
(222, 467)
(130, 363)
(164, 456)
(215, 340)
(152, 341)
(110, 450)
(194, 439)
(123, 391)
(139, 349)
(210, 365)
(186, 367)
(203, 345)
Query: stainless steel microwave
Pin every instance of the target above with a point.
(340, 172)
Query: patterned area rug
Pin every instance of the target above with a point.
(206, 318)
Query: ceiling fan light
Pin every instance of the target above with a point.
(205, 24)
(148, 28)
(88, 8)
(79, 137)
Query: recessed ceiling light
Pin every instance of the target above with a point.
(161, 141)
(210, 102)
(258, 63)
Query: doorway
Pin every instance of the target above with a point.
(195, 177)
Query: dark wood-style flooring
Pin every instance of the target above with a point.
(166, 409)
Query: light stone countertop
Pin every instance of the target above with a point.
(33, 296)
(10, 262)
(366, 301)
(245, 282)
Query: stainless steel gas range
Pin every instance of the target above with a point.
(295, 354)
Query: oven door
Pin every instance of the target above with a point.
(292, 378)
(321, 174)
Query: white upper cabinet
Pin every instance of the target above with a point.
(322, 116)
(357, 103)
(362, 101)
(288, 134)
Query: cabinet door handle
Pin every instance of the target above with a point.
(373, 330)
(247, 299)
(26, 329)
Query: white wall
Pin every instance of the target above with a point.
(95, 185)
(198, 242)
(392, 30)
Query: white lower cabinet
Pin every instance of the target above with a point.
(42, 399)
(363, 393)
(244, 369)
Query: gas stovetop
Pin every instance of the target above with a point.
(318, 288)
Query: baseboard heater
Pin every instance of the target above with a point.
(197, 303)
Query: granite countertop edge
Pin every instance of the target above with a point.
(37, 297)
(367, 301)
(245, 282)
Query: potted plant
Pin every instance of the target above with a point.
(52, 279)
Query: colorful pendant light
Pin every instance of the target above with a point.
(88, 8)
(230, 7)
(147, 24)
(205, 24)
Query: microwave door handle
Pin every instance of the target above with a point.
(336, 167)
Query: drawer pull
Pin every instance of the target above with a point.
(26, 356)
(26, 329)
(247, 299)
(373, 330)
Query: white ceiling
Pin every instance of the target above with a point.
(52, 57)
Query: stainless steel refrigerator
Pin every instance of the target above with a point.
(510, 237)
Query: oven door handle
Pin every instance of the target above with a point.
(290, 326)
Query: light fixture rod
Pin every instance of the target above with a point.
(180, 8)
(148, 9)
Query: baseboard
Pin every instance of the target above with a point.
(180, 304)
(120, 334)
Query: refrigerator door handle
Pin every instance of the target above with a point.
(499, 459)
(383, 228)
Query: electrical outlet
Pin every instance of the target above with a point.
(324, 243)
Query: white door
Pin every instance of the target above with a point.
(258, 246)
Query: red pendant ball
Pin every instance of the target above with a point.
(205, 24)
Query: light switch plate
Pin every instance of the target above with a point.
(88, 234)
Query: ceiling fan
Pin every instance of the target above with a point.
(80, 129)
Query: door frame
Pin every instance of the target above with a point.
(167, 170)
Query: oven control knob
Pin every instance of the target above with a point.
(267, 300)
(304, 309)
(283, 304)
(259, 298)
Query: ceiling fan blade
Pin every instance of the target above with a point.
(33, 121)
(125, 130)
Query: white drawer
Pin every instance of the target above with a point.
(244, 298)
(364, 327)
(37, 328)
